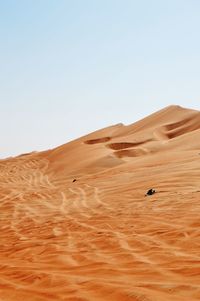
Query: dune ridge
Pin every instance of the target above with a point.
(100, 237)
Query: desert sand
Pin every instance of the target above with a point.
(100, 237)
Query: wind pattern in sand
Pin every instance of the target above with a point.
(100, 238)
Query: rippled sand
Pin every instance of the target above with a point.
(100, 238)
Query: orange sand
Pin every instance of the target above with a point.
(100, 238)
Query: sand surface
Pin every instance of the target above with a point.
(100, 238)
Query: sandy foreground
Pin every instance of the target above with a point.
(100, 237)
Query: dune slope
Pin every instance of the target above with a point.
(76, 224)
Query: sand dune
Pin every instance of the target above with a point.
(100, 238)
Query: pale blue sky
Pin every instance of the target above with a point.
(70, 67)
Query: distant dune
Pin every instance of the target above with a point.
(76, 224)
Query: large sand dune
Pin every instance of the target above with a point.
(100, 238)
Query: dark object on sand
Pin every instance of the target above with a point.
(74, 180)
(150, 191)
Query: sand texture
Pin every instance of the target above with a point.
(100, 237)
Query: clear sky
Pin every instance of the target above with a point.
(69, 67)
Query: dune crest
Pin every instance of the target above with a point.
(76, 224)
